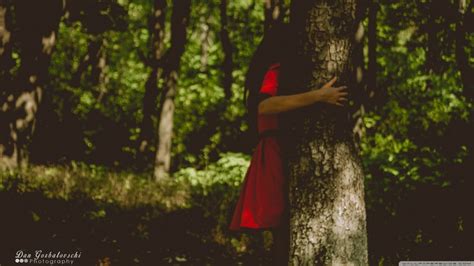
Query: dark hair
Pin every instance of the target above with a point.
(272, 49)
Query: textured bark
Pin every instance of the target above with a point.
(326, 181)
(157, 30)
(36, 30)
(179, 22)
(228, 64)
(462, 57)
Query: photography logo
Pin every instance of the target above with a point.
(46, 257)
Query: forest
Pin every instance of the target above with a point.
(124, 133)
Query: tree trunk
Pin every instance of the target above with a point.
(204, 38)
(228, 64)
(6, 61)
(90, 59)
(358, 75)
(7, 152)
(372, 50)
(99, 71)
(179, 22)
(432, 49)
(96, 59)
(37, 25)
(274, 13)
(462, 57)
(157, 31)
(326, 180)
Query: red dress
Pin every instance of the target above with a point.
(261, 202)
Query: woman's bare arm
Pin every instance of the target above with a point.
(327, 93)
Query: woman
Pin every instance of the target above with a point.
(262, 203)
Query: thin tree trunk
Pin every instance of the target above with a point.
(179, 22)
(358, 75)
(99, 72)
(37, 25)
(372, 50)
(96, 58)
(205, 42)
(157, 31)
(274, 13)
(228, 64)
(326, 180)
(433, 50)
(464, 131)
(462, 58)
(91, 58)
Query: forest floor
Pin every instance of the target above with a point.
(112, 228)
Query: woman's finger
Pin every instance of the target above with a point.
(329, 84)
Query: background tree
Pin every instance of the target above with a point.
(227, 64)
(179, 22)
(326, 181)
(464, 16)
(372, 50)
(157, 35)
(274, 13)
(36, 27)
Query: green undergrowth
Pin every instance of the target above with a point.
(127, 217)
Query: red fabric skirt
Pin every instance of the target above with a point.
(261, 202)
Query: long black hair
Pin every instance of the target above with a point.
(272, 49)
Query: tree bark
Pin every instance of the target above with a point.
(228, 64)
(157, 31)
(37, 25)
(326, 180)
(179, 22)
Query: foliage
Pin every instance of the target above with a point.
(414, 151)
(97, 183)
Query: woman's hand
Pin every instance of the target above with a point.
(333, 95)
(282, 103)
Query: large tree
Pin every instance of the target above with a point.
(35, 25)
(326, 180)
